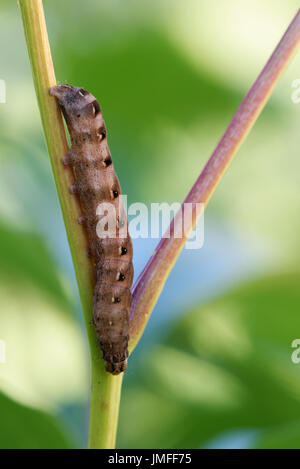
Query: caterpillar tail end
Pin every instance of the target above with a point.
(116, 368)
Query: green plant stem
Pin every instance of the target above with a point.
(106, 389)
(104, 408)
(152, 279)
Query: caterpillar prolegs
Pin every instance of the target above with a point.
(96, 183)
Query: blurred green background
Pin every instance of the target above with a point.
(214, 366)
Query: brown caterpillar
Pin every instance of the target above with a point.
(96, 182)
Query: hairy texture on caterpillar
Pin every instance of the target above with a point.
(96, 183)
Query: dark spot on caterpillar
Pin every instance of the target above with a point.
(123, 251)
(108, 161)
(121, 277)
(96, 108)
(83, 92)
(101, 134)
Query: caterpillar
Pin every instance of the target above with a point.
(96, 183)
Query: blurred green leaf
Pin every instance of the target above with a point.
(26, 259)
(282, 437)
(226, 365)
(27, 428)
(45, 349)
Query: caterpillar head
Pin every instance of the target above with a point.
(80, 109)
